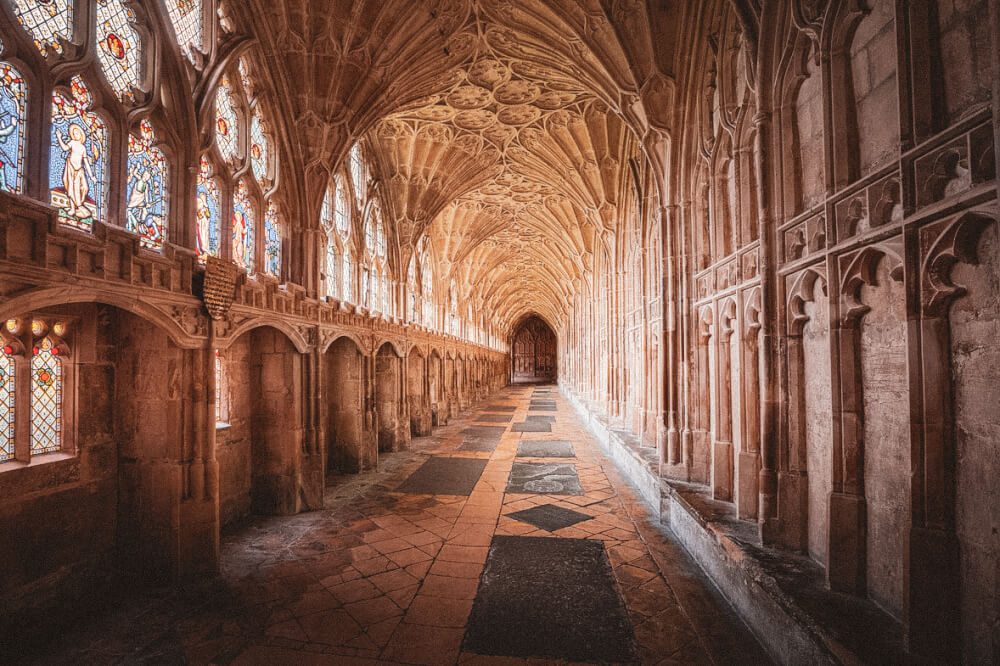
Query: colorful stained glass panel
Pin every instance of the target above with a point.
(207, 212)
(186, 17)
(243, 228)
(259, 149)
(13, 94)
(226, 121)
(46, 21)
(6, 406)
(272, 241)
(146, 210)
(46, 398)
(77, 182)
(118, 47)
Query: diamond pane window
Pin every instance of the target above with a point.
(146, 210)
(258, 146)
(207, 212)
(243, 228)
(358, 173)
(46, 21)
(6, 404)
(13, 93)
(118, 47)
(46, 398)
(226, 122)
(186, 17)
(345, 290)
(272, 241)
(77, 179)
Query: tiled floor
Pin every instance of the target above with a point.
(382, 576)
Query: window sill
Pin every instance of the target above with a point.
(36, 460)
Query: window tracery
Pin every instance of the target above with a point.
(47, 21)
(243, 228)
(207, 211)
(259, 149)
(358, 173)
(272, 241)
(118, 47)
(13, 94)
(186, 17)
(146, 208)
(77, 178)
(226, 121)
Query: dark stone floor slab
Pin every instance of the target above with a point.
(542, 402)
(445, 476)
(550, 517)
(535, 408)
(552, 598)
(500, 408)
(484, 431)
(494, 418)
(554, 448)
(480, 444)
(544, 418)
(544, 478)
(532, 426)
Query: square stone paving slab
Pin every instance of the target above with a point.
(536, 408)
(544, 478)
(532, 426)
(445, 476)
(544, 418)
(480, 444)
(551, 598)
(553, 448)
(500, 408)
(549, 517)
(484, 431)
(494, 418)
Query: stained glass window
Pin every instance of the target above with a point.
(245, 77)
(186, 17)
(207, 211)
(46, 21)
(358, 172)
(6, 403)
(118, 47)
(13, 93)
(258, 146)
(243, 228)
(77, 180)
(346, 285)
(226, 122)
(272, 241)
(146, 210)
(46, 398)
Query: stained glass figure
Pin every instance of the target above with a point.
(348, 270)
(146, 210)
(46, 398)
(47, 21)
(272, 241)
(77, 181)
(243, 228)
(207, 211)
(13, 93)
(358, 172)
(258, 146)
(118, 47)
(7, 404)
(226, 121)
(186, 17)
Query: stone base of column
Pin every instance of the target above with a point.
(722, 471)
(846, 562)
(748, 494)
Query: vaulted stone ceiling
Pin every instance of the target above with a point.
(510, 132)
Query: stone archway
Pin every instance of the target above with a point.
(533, 351)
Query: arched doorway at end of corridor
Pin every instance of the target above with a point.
(534, 351)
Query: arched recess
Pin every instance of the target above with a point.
(416, 393)
(350, 445)
(260, 452)
(390, 410)
(436, 388)
(533, 350)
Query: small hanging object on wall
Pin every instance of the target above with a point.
(220, 286)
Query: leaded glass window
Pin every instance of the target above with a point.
(118, 47)
(366, 292)
(258, 146)
(245, 77)
(332, 270)
(7, 404)
(207, 211)
(380, 241)
(370, 239)
(346, 285)
(46, 398)
(272, 241)
(186, 17)
(13, 95)
(226, 121)
(146, 209)
(46, 21)
(77, 158)
(340, 210)
(358, 172)
(243, 228)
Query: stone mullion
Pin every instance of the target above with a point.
(722, 446)
(670, 448)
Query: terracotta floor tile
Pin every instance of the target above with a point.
(392, 580)
(438, 611)
(374, 610)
